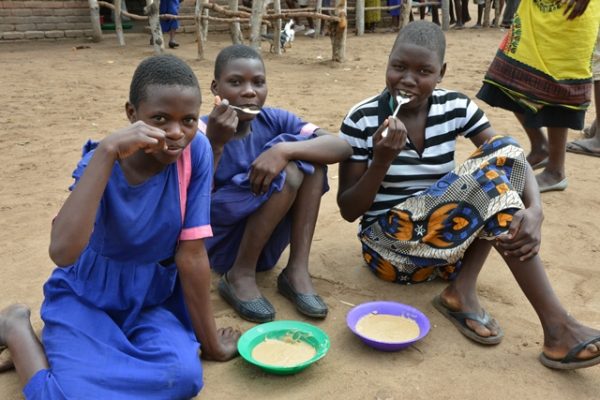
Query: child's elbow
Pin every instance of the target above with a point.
(60, 255)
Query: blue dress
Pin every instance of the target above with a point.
(232, 200)
(115, 323)
(169, 7)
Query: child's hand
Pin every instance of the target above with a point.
(137, 136)
(222, 123)
(524, 235)
(385, 149)
(266, 167)
(228, 338)
(575, 8)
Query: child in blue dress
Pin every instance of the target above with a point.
(129, 304)
(269, 178)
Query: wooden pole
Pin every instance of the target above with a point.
(360, 17)
(405, 13)
(256, 22)
(486, 13)
(338, 35)
(318, 21)
(95, 17)
(234, 27)
(205, 23)
(277, 28)
(151, 10)
(119, 23)
(496, 13)
(446, 14)
(199, 33)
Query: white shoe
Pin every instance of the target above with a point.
(309, 32)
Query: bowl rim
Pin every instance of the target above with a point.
(262, 329)
(360, 307)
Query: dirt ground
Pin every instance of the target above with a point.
(55, 97)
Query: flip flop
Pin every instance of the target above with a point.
(459, 319)
(541, 164)
(559, 186)
(570, 361)
(578, 148)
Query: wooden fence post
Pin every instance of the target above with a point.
(277, 28)
(119, 23)
(256, 22)
(199, 33)
(446, 14)
(360, 17)
(95, 17)
(338, 35)
(151, 10)
(405, 12)
(234, 27)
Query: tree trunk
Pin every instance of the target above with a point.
(95, 17)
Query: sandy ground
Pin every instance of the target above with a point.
(54, 98)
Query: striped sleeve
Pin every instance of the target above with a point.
(475, 120)
(358, 127)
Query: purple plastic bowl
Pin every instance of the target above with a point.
(390, 308)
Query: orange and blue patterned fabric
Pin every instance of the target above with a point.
(426, 235)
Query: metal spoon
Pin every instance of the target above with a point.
(400, 100)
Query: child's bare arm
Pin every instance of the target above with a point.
(359, 182)
(194, 271)
(74, 223)
(220, 128)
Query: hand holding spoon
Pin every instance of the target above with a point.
(400, 100)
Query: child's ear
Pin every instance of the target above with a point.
(213, 88)
(130, 111)
(442, 73)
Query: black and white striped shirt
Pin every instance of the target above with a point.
(450, 114)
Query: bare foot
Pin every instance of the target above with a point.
(12, 316)
(559, 341)
(537, 158)
(547, 179)
(459, 303)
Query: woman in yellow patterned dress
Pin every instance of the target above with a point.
(542, 73)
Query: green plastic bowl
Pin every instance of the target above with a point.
(277, 329)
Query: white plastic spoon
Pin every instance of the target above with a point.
(246, 110)
(400, 100)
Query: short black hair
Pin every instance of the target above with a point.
(234, 52)
(425, 34)
(162, 70)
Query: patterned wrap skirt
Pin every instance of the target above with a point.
(427, 235)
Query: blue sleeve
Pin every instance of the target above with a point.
(86, 156)
(291, 123)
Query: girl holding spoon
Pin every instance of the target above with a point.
(269, 177)
(422, 217)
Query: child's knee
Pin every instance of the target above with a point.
(293, 176)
